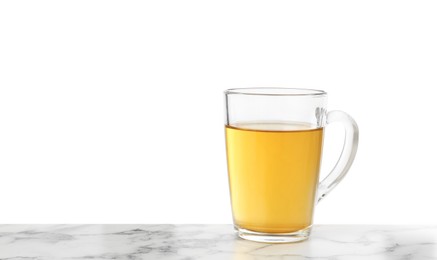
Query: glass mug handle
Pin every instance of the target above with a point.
(347, 156)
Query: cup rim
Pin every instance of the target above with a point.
(276, 91)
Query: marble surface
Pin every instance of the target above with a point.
(184, 242)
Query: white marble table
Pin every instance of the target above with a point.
(184, 242)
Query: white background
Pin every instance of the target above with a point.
(112, 111)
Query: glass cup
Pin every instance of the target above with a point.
(274, 139)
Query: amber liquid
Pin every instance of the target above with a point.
(273, 173)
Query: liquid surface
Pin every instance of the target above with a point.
(273, 173)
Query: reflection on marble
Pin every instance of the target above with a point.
(184, 242)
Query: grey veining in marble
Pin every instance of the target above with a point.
(184, 242)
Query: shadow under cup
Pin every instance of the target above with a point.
(274, 139)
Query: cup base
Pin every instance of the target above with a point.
(292, 237)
